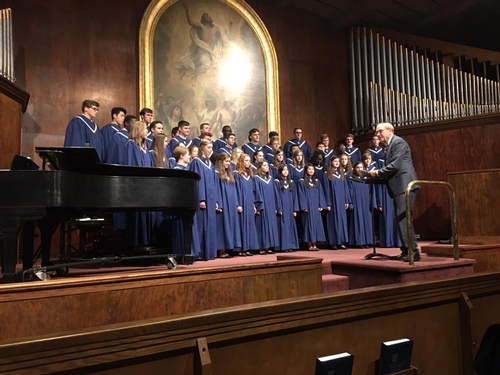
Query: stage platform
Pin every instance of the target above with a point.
(487, 256)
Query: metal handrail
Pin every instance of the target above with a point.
(409, 228)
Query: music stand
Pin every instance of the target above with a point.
(372, 181)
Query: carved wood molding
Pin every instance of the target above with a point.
(126, 341)
(14, 92)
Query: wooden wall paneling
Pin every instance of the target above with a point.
(10, 125)
(56, 306)
(436, 153)
(476, 196)
(278, 336)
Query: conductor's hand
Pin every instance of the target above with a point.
(373, 173)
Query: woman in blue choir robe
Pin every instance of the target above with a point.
(138, 225)
(228, 226)
(278, 160)
(336, 193)
(311, 203)
(266, 199)
(388, 227)
(360, 228)
(243, 176)
(235, 155)
(157, 151)
(204, 245)
(287, 210)
(296, 167)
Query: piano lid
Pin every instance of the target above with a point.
(85, 160)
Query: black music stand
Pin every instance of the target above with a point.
(372, 181)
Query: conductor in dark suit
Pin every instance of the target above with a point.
(399, 172)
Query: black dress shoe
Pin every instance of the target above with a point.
(405, 258)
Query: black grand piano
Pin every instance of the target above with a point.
(79, 184)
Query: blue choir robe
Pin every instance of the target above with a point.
(287, 205)
(204, 244)
(303, 145)
(174, 142)
(266, 223)
(388, 226)
(221, 142)
(337, 196)
(250, 148)
(311, 198)
(246, 199)
(377, 153)
(225, 150)
(196, 141)
(83, 132)
(269, 156)
(139, 225)
(296, 173)
(360, 224)
(329, 153)
(228, 226)
(149, 140)
(117, 146)
(107, 133)
(319, 171)
(354, 154)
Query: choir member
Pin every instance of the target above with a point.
(360, 225)
(228, 226)
(181, 139)
(117, 122)
(336, 194)
(352, 151)
(246, 205)
(253, 142)
(82, 131)
(266, 200)
(296, 167)
(204, 128)
(287, 207)
(157, 151)
(138, 224)
(118, 140)
(204, 242)
(303, 145)
(311, 203)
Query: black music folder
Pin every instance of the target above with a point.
(336, 364)
(395, 356)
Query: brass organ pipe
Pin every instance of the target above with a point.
(373, 104)
(392, 114)
(366, 96)
(433, 90)
(352, 65)
(396, 82)
(359, 72)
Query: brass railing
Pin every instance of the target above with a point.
(409, 227)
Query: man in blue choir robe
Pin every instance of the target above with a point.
(253, 143)
(352, 151)
(117, 144)
(204, 128)
(303, 145)
(82, 131)
(221, 142)
(156, 127)
(182, 139)
(117, 118)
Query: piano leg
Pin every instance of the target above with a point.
(27, 244)
(187, 221)
(9, 254)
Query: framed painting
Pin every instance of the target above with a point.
(208, 61)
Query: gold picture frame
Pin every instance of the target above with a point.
(148, 27)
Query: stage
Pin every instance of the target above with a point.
(91, 297)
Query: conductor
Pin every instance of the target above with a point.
(399, 172)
